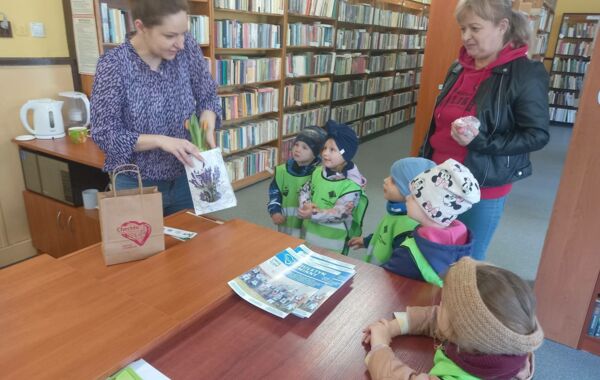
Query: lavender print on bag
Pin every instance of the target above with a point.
(209, 183)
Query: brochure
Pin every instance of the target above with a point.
(294, 281)
(209, 183)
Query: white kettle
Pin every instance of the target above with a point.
(47, 118)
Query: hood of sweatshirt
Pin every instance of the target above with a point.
(507, 54)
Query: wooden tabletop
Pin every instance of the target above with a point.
(239, 341)
(87, 153)
(76, 318)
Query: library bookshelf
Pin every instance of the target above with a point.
(572, 54)
(282, 65)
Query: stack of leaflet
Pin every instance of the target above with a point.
(294, 281)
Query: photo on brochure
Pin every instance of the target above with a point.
(209, 183)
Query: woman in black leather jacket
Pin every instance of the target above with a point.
(494, 81)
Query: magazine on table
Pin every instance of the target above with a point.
(294, 281)
(209, 183)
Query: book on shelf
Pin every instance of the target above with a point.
(257, 6)
(318, 8)
(235, 34)
(235, 69)
(293, 122)
(198, 26)
(307, 64)
(249, 101)
(246, 135)
(594, 326)
(314, 35)
(249, 163)
(209, 183)
(349, 89)
(294, 281)
(114, 24)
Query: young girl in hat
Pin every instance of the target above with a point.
(485, 322)
(333, 203)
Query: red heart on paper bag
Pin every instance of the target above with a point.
(137, 232)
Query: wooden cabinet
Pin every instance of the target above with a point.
(58, 229)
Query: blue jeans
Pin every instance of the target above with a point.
(176, 194)
(482, 220)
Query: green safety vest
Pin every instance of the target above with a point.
(428, 273)
(380, 246)
(289, 185)
(324, 193)
(446, 369)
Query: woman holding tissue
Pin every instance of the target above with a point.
(143, 92)
(492, 110)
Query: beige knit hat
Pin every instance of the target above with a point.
(473, 324)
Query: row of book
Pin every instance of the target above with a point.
(378, 123)
(348, 112)
(293, 122)
(570, 65)
(199, 28)
(562, 115)
(594, 326)
(320, 8)
(246, 164)
(539, 44)
(402, 99)
(354, 63)
(581, 48)
(234, 34)
(259, 6)
(352, 39)
(246, 135)
(314, 90)
(377, 106)
(114, 24)
(578, 30)
(560, 98)
(299, 65)
(249, 101)
(348, 89)
(545, 20)
(232, 70)
(370, 15)
(376, 85)
(316, 34)
(568, 82)
(374, 125)
(286, 148)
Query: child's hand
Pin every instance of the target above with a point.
(306, 211)
(357, 242)
(377, 333)
(278, 218)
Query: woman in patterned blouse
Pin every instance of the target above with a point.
(143, 92)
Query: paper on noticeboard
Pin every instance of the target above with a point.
(86, 35)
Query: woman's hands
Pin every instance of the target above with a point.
(463, 133)
(210, 118)
(182, 149)
(381, 332)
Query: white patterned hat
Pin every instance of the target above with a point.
(445, 191)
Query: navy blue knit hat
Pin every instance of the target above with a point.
(344, 138)
(314, 137)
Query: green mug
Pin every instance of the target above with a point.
(78, 135)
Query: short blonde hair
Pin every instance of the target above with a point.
(519, 32)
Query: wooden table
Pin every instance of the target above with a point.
(76, 318)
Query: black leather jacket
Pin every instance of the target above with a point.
(512, 106)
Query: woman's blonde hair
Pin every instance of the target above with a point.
(519, 32)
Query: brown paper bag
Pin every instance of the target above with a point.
(131, 221)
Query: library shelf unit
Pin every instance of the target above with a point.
(571, 59)
(540, 14)
(300, 65)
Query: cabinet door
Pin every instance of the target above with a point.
(78, 230)
(43, 217)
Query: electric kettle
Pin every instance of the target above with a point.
(76, 110)
(47, 118)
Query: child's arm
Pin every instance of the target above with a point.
(275, 199)
(381, 362)
(339, 212)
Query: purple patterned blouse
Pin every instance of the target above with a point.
(129, 99)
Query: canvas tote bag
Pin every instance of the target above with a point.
(131, 221)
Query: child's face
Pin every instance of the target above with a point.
(415, 212)
(391, 191)
(302, 153)
(332, 158)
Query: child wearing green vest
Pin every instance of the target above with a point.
(485, 322)
(290, 177)
(437, 197)
(333, 203)
(395, 222)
